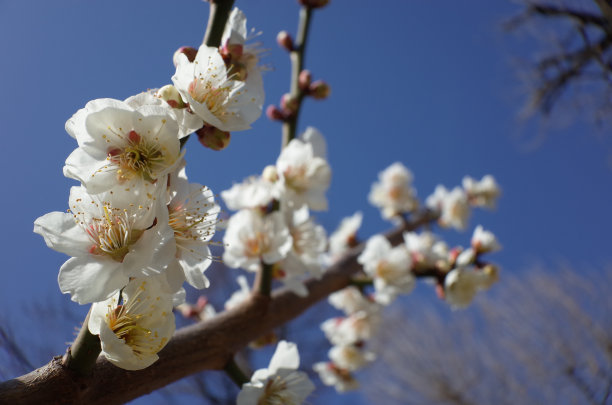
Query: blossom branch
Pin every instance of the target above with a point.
(203, 346)
(297, 64)
(219, 13)
(82, 354)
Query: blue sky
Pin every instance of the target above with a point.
(432, 85)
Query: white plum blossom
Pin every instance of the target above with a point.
(304, 177)
(350, 357)
(426, 251)
(484, 241)
(280, 383)
(108, 244)
(241, 59)
(350, 300)
(461, 284)
(466, 257)
(316, 139)
(122, 147)
(483, 193)
(344, 237)
(332, 375)
(169, 97)
(253, 192)
(213, 94)
(356, 327)
(240, 295)
(309, 243)
(453, 206)
(251, 238)
(393, 193)
(134, 324)
(389, 268)
(192, 213)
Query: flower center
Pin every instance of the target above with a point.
(112, 235)
(126, 323)
(256, 245)
(140, 158)
(215, 98)
(276, 393)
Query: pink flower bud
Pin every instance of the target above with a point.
(304, 79)
(274, 114)
(187, 51)
(213, 138)
(284, 40)
(319, 90)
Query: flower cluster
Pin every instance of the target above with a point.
(389, 271)
(136, 228)
(273, 226)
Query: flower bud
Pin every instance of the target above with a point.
(170, 95)
(187, 51)
(274, 114)
(270, 174)
(319, 90)
(284, 40)
(213, 138)
(314, 3)
(289, 104)
(304, 80)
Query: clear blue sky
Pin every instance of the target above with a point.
(429, 84)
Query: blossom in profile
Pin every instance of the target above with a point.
(108, 243)
(122, 147)
(134, 324)
(280, 383)
(304, 177)
(192, 215)
(350, 300)
(355, 328)
(484, 241)
(453, 207)
(345, 236)
(213, 94)
(389, 268)
(309, 244)
(462, 284)
(427, 251)
(350, 357)
(483, 193)
(241, 58)
(252, 192)
(393, 193)
(330, 374)
(251, 238)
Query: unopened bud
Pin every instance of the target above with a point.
(284, 40)
(270, 174)
(314, 3)
(319, 90)
(213, 138)
(187, 51)
(289, 103)
(170, 95)
(273, 113)
(304, 79)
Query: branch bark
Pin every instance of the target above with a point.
(207, 345)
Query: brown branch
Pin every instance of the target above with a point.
(204, 346)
